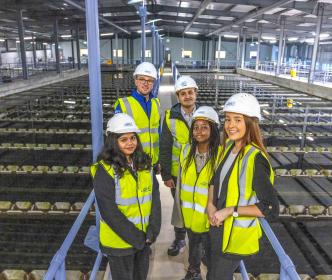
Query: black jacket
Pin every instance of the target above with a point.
(166, 143)
(104, 188)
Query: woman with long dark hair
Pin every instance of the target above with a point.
(127, 195)
(198, 161)
(241, 190)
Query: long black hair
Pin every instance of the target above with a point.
(112, 155)
(214, 143)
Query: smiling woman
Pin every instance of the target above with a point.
(127, 194)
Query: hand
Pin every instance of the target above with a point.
(211, 209)
(221, 215)
(169, 183)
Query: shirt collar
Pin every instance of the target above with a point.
(139, 96)
(185, 114)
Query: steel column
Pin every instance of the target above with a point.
(320, 13)
(78, 52)
(116, 49)
(122, 47)
(142, 13)
(244, 42)
(22, 45)
(153, 39)
(34, 51)
(281, 42)
(45, 53)
(56, 46)
(157, 48)
(258, 47)
(238, 50)
(72, 49)
(92, 27)
(219, 46)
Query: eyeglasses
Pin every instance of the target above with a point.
(144, 81)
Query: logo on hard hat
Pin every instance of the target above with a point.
(184, 84)
(200, 112)
(230, 103)
(147, 71)
(128, 124)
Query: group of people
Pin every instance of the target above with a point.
(219, 175)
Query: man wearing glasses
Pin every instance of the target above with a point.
(144, 109)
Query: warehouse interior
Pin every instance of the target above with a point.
(58, 57)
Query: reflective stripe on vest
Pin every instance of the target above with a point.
(241, 235)
(133, 198)
(193, 206)
(149, 126)
(180, 134)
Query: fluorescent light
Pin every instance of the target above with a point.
(230, 36)
(273, 41)
(310, 138)
(27, 38)
(281, 121)
(266, 112)
(65, 36)
(292, 39)
(45, 44)
(65, 4)
(69, 102)
(134, 1)
(106, 34)
(310, 40)
(2, 40)
(153, 20)
(146, 31)
(191, 32)
(324, 35)
(267, 37)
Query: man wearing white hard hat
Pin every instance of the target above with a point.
(175, 132)
(127, 194)
(144, 108)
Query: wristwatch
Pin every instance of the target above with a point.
(235, 213)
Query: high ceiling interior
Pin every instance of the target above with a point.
(175, 18)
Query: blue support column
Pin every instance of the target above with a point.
(142, 14)
(22, 45)
(94, 76)
(34, 51)
(72, 49)
(320, 14)
(153, 48)
(157, 48)
(244, 42)
(92, 27)
(56, 46)
(78, 52)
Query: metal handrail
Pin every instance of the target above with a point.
(57, 265)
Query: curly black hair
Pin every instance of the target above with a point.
(112, 155)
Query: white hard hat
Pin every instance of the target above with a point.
(146, 69)
(206, 113)
(245, 104)
(185, 82)
(121, 123)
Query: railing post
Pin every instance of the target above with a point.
(243, 270)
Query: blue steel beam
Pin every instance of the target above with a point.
(78, 52)
(56, 46)
(22, 45)
(142, 14)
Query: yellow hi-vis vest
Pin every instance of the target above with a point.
(180, 133)
(149, 135)
(194, 192)
(241, 235)
(133, 198)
